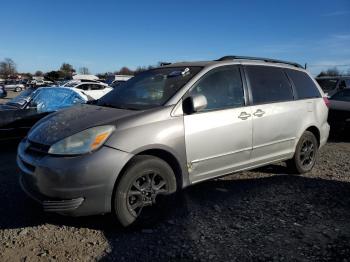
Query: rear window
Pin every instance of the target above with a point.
(269, 84)
(304, 86)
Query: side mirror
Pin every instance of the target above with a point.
(194, 104)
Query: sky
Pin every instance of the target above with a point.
(106, 35)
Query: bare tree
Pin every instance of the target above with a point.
(330, 72)
(7, 67)
(84, 70)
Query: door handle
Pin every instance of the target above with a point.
(244, 115)
(259, 113)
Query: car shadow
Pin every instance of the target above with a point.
(275, 217)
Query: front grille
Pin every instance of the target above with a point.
(36, 148)
(30, 167)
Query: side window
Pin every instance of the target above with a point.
(269, 84)
(222, 87)
(342, 95)
(84, 87)
(305, 87)
(96, 87)
(347, 81)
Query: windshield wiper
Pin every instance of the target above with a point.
(116, 106)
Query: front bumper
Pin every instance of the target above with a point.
(71, 185)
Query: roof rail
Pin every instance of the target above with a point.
(164, 63)
(232, 57)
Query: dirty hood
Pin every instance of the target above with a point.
(75, 119)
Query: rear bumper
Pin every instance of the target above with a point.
(76, 186)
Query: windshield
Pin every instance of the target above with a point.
(149, 89)
(52, 99)
(327, 84)
(22, 98)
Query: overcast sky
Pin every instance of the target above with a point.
(106, 35)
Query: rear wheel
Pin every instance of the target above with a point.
(305, 155)
(143, 191)
(18, 89)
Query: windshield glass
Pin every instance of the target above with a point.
(149, 89)
(52, 99)
(22, 98)
(327, 84)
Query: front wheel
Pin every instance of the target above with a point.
(18, 89)
(143, 191)
(305, 154)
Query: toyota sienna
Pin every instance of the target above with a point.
(171, 127)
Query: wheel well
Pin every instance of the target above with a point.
(316, 132)
(170, 159)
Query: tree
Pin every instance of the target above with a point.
(7, 67)
(330, 72)
(84, 70)
(39, 73)
(124, 71)
(54, 75)
(67, 70)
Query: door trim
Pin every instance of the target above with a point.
(220, 155)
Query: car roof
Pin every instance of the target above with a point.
(245, 60)
(76, 90)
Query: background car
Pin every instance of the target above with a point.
(14, 85)
(94, 89)
(19, 114)
(333, 84)
(339, 111)
(3, 92)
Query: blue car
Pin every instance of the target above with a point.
(19, 114)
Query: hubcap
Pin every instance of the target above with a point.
(144, 190)
(307, 153)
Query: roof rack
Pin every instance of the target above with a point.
(231, 57)
(164, 63)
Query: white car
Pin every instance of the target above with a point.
(93, 89)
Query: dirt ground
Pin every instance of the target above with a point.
(262, 215)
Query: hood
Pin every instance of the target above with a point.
(8, 107)
(75, 119)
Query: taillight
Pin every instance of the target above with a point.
(326, 101)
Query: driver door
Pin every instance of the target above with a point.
(218, 138)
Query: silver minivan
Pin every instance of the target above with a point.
(171, 127)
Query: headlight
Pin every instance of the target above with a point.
(82, 142)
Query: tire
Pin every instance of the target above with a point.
(305, 155)
(18, 89)
(144, 191)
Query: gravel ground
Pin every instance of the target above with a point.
(10, 94)
(262, 215)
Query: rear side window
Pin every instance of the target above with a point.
(269, 84)
(347, 82)
(304, 86)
